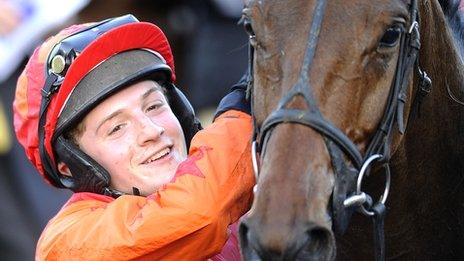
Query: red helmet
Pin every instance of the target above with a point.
(71, 73)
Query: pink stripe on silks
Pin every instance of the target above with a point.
(231, 250)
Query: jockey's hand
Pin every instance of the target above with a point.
(236, 98)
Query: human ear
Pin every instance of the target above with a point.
(63, 169)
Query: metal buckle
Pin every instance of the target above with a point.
(425, 82)
(414, 25)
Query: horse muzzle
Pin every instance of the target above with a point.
(312, 242)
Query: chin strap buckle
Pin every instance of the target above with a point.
(50, 87)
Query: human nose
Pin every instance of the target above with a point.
(149, 130)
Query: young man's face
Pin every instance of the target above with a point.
(136, 137)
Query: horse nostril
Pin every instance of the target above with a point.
(321, 245)
(244, 242)
(243, 231)
(247, 245)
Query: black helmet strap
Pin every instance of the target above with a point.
(88, 175)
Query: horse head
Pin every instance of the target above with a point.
(332, 90)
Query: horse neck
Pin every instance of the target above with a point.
(439, 118)
(432, 151)
(428, 165)
(440, 52)
(430, 159)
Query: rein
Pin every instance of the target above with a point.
(347, 195)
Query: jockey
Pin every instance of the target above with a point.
(97, 112)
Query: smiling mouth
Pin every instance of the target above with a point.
(158, 156)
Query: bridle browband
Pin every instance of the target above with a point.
(347, 195)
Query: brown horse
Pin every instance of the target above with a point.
(334, 83)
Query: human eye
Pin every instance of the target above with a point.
(115, 129)
(155, 106)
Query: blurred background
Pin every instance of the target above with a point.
(210, 52)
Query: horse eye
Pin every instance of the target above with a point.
(248, 27)
(251, 33)
(391, 36)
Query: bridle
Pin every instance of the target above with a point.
(347, 195)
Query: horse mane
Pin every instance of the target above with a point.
(455, 20)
